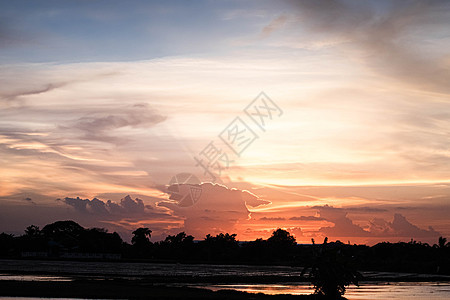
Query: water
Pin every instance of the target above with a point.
(36, 298)
(128, 269)
(33, 278)
(366, 291)
(27, 270)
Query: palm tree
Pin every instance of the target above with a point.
(32, 231)
(442, 242)
(441, 247)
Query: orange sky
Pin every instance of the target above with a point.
(120, 102)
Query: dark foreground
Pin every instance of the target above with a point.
(123, 289)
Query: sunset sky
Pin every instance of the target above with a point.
(104, 99)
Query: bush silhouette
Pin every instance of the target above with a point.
(331, 270)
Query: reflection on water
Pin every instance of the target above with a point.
(142, 269)
(33, 278)
(270, 289)
(381, 290)
(36, 298)
(66, 270)
(401, 290)
(367, 291)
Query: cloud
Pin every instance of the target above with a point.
(273, 26)
(38, 83)
(99, 125)
(219, 209)
(95, 206)
(28, 199)
(296, 231)
(307, 218)
(126, 207)
(124, 216)
(391, 36)
(378, 227)
(366, 209)
(402, 227)
(272, 219)
(343, 226)
(29, 92)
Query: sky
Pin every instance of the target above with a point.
(325, 118)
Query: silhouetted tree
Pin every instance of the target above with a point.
(100, 240)
(62, 235)
(331, 270)
(62, 229)
(222, 247)
(141, 242)
(32, 231)
(256, 251)
(141, 237)
(281, 244)
(179, 246)
(282, 238)
(443, 252)
(179, 240)
(32, 240)
(442, 243)
(280, 248)
(7, 244)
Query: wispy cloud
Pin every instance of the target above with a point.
(100, 125)
(274, 25)
(389, 36)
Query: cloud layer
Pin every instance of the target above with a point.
(363, 87)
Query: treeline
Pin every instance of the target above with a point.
(64, 237)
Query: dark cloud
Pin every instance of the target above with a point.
(390, 34)
(28, 92)
(273, 219)
(378, 227)
(99, 125)
(38, 86)
(307, 218)
(343, 226)
(123, 216)
(400, 226)
(366, 209)
(127, 206)
(28, 199)
(88, 213)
